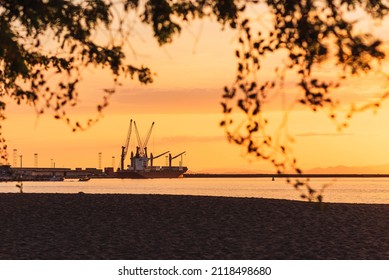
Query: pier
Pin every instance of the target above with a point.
(8, 173)
(270, 175)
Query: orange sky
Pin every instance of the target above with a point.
(184, 101)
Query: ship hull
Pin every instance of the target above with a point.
(150, 173)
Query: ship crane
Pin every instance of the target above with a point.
(141, 150)
(171, 158)
(142, 161)
(154, 157)
(125, 147)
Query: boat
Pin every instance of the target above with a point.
(142, 164)
(84, 179)
(56, 179)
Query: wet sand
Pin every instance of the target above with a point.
(83, 226)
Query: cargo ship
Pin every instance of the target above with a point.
(142, 165)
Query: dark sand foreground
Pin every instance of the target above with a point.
(82, 226)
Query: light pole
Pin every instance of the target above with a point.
(15, 155)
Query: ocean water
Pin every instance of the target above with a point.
(345, 190)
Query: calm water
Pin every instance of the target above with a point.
(350, 190)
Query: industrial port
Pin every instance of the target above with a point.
(141, 165)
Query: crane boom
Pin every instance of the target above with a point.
(128, 139)
(161, 154)
(125, 146)
(171, 158)
(138, 137)
(178, 155)
(154, 157)
(143, 145)
(148, 136)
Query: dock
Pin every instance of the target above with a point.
(270, 175)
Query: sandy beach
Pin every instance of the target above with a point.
(84, 226)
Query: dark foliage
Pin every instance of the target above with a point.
(310, 32)
(41, 39)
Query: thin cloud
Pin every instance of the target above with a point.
(316, 134)
(192, 139)
(169, 101)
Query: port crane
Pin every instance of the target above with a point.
(142, 161)
(125, 146)
(141, 150)
(171, 158)
(154, 157)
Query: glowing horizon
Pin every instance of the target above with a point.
(184, 101)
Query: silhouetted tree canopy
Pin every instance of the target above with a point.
(42, 41)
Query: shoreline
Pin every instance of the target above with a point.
(197, 175)
(128, 226)
(270, 175)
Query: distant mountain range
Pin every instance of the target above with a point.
(341, 169)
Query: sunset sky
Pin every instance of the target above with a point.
(184, 101)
